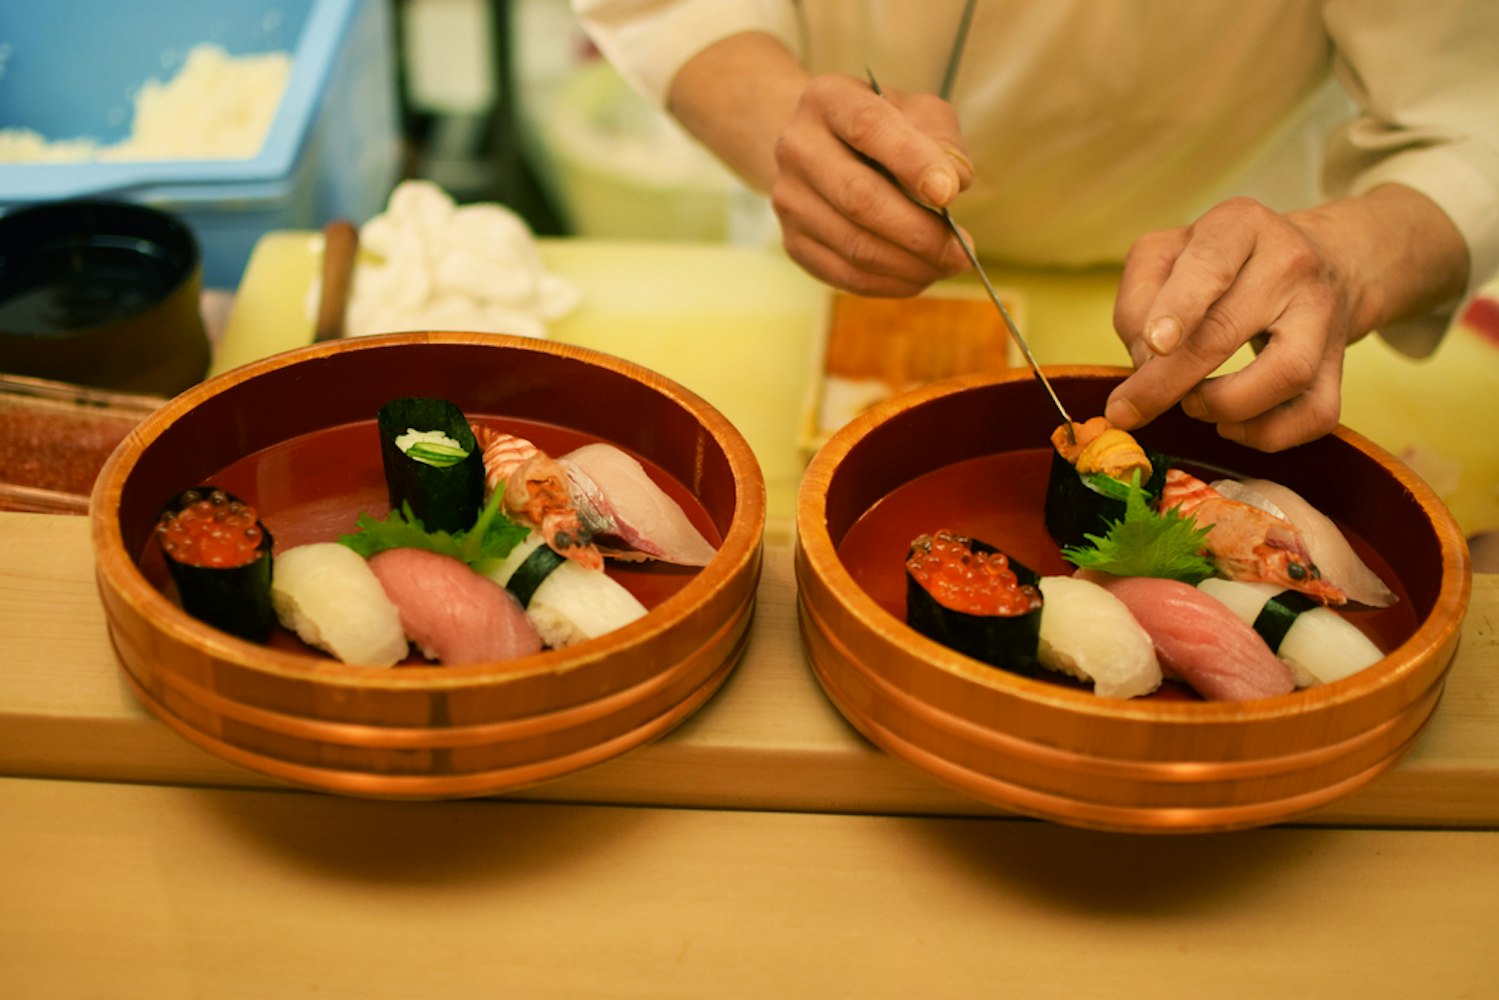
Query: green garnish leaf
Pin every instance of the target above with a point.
(1146, 543)
(492, 536)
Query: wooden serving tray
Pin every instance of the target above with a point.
(768, 740)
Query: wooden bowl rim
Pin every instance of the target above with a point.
(819, 557)
(115, 569)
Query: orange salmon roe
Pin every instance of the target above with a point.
(961, 579)
(213, 531)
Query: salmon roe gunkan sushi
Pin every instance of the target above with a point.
(948, 568)
(211, 530)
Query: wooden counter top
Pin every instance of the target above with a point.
(769, 740)
(132, 891)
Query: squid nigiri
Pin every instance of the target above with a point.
(1089, 633)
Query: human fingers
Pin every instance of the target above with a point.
(1304, 417)
(1147, 265)
(892, 247)
(1217, 296)
(831, 197)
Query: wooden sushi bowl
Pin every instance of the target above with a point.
(972, 455)
(415, 731)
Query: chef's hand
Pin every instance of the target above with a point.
(1191, 297)
(842, 218)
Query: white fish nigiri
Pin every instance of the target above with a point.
(1200, 641)
(628, 514)
(1088, 633)
(327, 594)
(570, 603)
(1329, 549)
(450, 612)
(1320, 645)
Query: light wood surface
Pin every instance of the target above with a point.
(768, 740)
(132, 891)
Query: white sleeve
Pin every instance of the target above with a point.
(1426, 79)
(648, 41)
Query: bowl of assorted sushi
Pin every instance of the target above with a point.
(428, 565)
(1157, 631)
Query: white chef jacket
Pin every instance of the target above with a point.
(1092, 122)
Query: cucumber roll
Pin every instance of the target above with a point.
(432, 462)
(1089, 480)
(219, 556)
(974, 599)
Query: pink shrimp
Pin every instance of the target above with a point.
(535, 488)
(1247, 543)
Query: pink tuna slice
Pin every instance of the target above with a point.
(453, 614)
(629, 515)
(1200, 641)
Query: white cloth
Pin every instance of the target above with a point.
(1092, 122)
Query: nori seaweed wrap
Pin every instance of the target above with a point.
(444, 487)
(1003, 626)
(219, 556)
(1081, 505)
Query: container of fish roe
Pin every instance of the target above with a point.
(972, 456)
(56, 436)
(417, 730)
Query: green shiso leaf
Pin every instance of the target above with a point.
(492, 536)
(1146, 543)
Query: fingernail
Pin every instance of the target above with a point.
(1232, 432)
(1193, 406)
(1121, 413)
(1163, 334)
(938, 186)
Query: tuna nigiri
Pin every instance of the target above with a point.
(450, 612)
(627, 513)
(1199, 641)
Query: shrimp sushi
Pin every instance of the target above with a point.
(1200, 641)
(1089, 634)
(1327, 546)
(432, 462)
(566, 601)
(1320, 645)
(1245, 542)
(219, 556)
(970, 597)
(327, 594)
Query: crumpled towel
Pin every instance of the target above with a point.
(427, 263)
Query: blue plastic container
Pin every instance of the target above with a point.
(70, 69)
